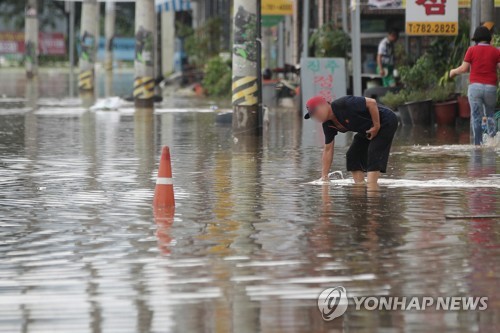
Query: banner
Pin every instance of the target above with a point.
(49, 43)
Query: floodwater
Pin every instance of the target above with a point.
(253, 242)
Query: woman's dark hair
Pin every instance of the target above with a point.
(481, 34)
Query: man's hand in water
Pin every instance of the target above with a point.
(372, 132)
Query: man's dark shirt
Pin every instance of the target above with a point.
(352, 113)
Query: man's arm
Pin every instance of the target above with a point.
(327, 160)
(372, 107)
(379, 64)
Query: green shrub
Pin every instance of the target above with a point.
(443, 93)
(393, 100)
(421, 76)
(416, 96)
(218, 78)
(328, 41)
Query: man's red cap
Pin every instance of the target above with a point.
(312, 103)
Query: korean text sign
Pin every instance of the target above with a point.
(322, 76)
(432, 17)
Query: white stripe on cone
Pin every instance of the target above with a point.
(164, 181)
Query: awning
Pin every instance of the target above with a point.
(172, 5)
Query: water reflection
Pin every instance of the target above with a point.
(250, 244)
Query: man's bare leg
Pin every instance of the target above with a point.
(373, 177)
(358, 176)
(372, 190)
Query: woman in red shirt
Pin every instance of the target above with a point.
(482, 59)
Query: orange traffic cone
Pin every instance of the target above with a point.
(164, 190)
(164, 218)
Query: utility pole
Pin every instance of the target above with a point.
(71, 48)
(89, 33)
(144, 83)
(487, 11)
(356, 47)
(305, 30)
(110, 34)
(246, 68)
(31, 39)
(321, 13)
(475, 16)
(296, 52)
(344, 16)
(281, 44)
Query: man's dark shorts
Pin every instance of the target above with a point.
(373, 155)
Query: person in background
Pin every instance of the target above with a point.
(482, 60)
(385, 58)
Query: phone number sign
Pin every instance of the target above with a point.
(431, 17)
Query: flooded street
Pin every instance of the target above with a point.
(253, 241)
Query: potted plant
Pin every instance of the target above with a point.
(417, 79)
(419, 106)
(396, 101)
(463, 105)
(445, 105)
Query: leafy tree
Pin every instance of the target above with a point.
(203, 42)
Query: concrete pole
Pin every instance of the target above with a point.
(167, 41)
(144, 53)
(475, 16)
(71, 48)
(289, 50)
(487, 11)
(356, 47)
(246, 56)
(195, 10)
(89, 34)
(321, 13)
(344, 16)
(109, 31)
(281, 44)
(305, 31)
(31, 39)
(295, 33)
